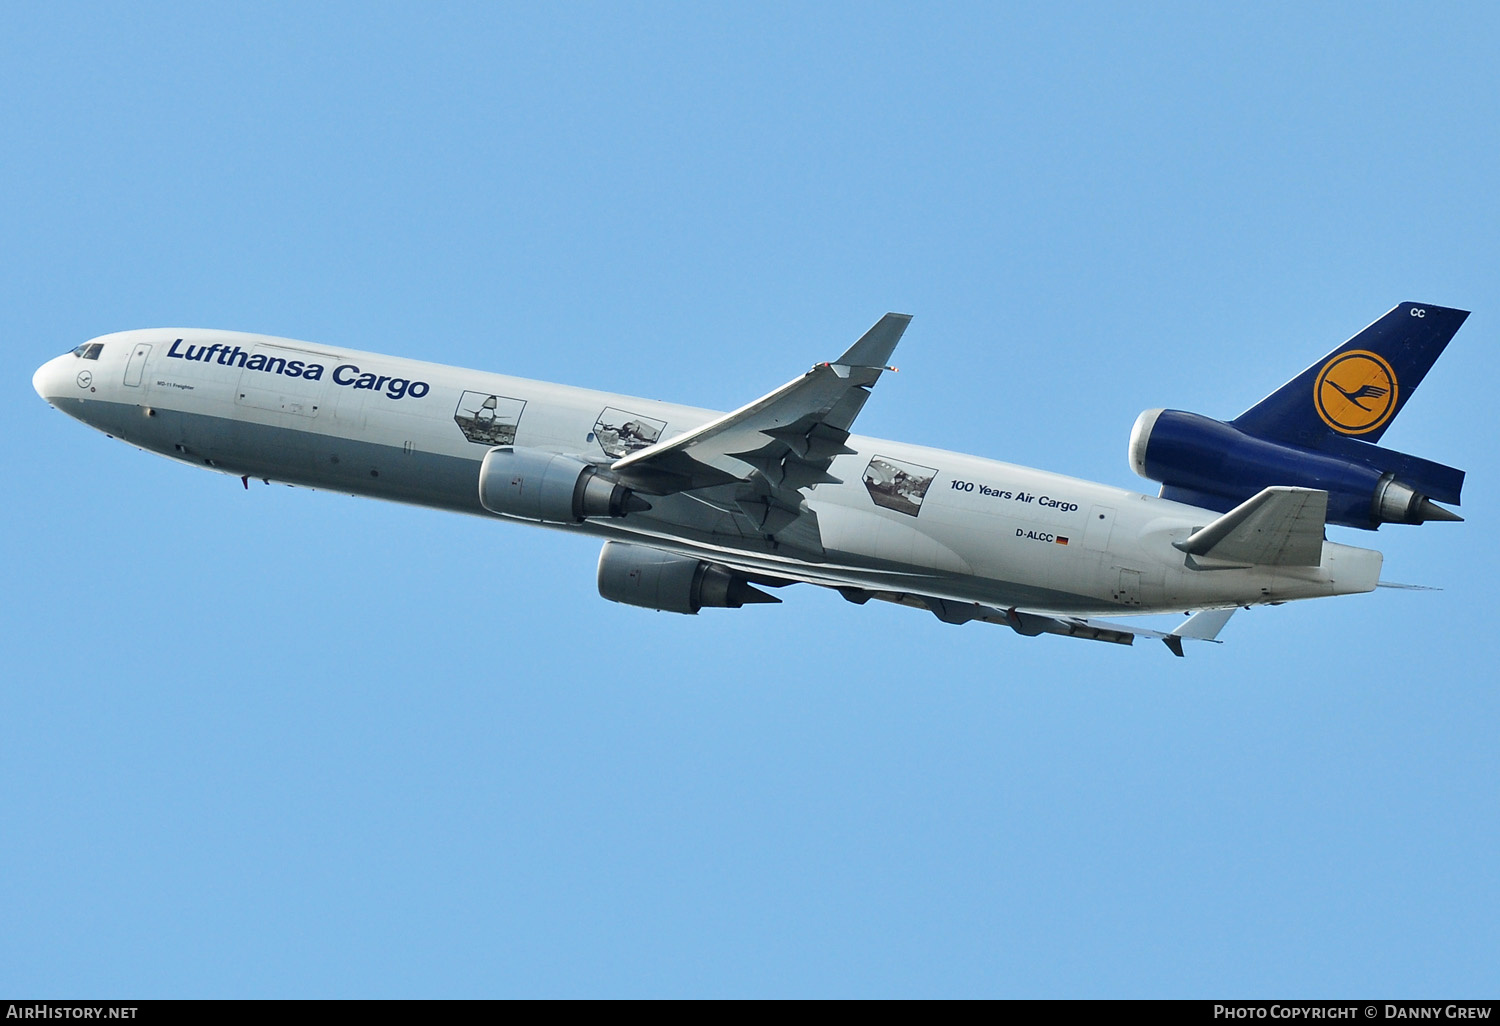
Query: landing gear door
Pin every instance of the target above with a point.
(136, 365)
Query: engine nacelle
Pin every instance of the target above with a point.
(638, 575)
(551, 488)
(1209, 463)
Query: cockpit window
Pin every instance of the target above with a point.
(89, 350)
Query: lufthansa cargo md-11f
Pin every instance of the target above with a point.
(698, 508)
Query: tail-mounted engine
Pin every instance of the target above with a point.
(1209, 463)
(638, 575)
(551, 488)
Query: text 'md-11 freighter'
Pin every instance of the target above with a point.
(698, 508)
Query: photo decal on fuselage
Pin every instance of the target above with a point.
(620, 433)
(488, 419)
(897, 485)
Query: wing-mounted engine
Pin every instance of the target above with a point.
(1208, 463)
(551, 488)
(639, 575)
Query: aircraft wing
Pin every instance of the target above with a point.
(1201, 626)
(776, 446)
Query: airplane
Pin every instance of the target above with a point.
(700, 509)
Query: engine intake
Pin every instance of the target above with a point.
(551, 488)
(1209, 463)
(639, 575)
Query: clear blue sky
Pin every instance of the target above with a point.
(298, 744)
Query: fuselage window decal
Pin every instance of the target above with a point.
(897, 485)
(488, 419)
(620, 433)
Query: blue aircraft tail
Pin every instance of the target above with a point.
(1318, 431)
(1357, 390)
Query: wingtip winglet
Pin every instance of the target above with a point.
(875, 346)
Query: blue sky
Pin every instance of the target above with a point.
(291, 743)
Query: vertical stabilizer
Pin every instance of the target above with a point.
(1357, 390)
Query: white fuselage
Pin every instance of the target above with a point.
(902, 518)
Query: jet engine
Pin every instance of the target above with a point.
(551, 488)
(1209, 463)
(638, 575)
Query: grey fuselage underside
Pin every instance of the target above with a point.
(439, 481)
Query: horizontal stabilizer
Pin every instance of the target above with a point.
(1278, 526)
(1205, 626)
(1202, 626)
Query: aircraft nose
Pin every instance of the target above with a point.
(51, 376)
(42, 379)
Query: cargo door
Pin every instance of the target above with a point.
(283, 380)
